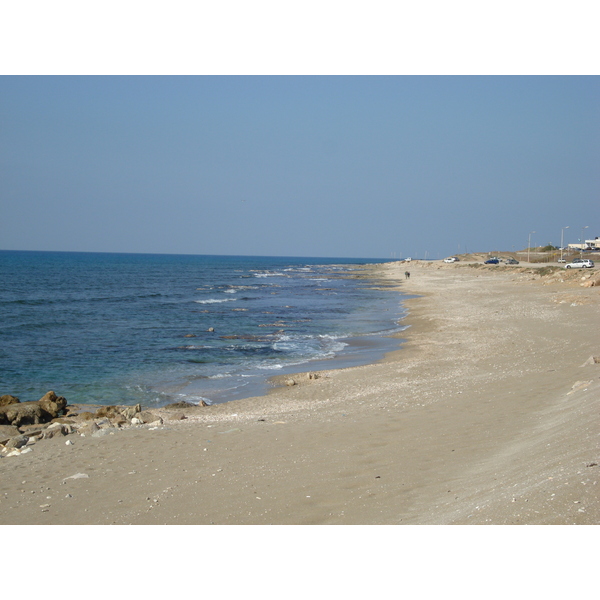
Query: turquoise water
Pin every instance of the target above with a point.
(128, 328)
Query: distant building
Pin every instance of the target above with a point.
(587, 244)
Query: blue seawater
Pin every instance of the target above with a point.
(103, 328)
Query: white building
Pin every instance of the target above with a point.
(591, 244)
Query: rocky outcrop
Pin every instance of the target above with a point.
(23, 413)
(44, 410)
(23, 424)
(591, 282)
(8, 399)
(130, 411)
(54, 405)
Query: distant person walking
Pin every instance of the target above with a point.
(406, 274)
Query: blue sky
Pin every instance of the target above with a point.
(340, 166)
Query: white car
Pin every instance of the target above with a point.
(451, 259)
(580, 263)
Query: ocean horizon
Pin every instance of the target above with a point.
(124, 328)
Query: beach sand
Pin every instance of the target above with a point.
(487, 414)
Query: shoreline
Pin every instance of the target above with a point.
(486, 414)
(360, 350)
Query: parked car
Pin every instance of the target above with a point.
(451, 259)
(580, 263)
(511, 261)
(491, 261)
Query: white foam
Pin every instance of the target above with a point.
(300, 269)
(269, 275)
(214, 300)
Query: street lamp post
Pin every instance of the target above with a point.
(561, 241)
(582, 241)
(529, 245)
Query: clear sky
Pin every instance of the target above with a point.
(341, 166)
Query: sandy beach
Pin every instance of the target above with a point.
(486, 414)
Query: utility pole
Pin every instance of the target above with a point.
(561, 241)
(529, 245)
(581, 240)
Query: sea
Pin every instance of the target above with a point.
(107, 328)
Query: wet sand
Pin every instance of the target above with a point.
(487, 414)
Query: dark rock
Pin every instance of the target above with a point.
(45, 409)
(23, 413)
(182, 404)
(17, 442)
(8, 399)
(7, 432)
(53, 404)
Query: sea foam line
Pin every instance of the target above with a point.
(214, 300)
